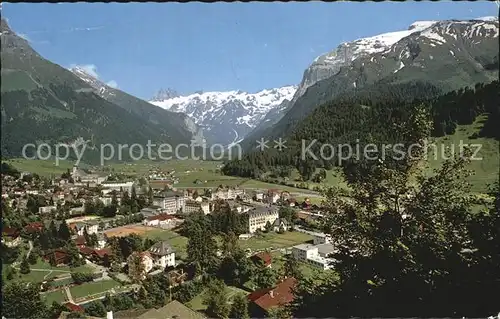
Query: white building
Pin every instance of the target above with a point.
(79, 227)
(260, 216)
(117, 186)
(321, 238)
(170, 202)
(227, 193)
(163, 255)
(162, 220)
(46, 209)
(315, 255)
(304, 251)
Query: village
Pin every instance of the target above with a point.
(84, 237)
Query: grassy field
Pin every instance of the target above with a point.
(197, 302)
(46, 168)
(92, 288)
(486, 169)
(266, 241)
(274, 241)
(187, 171)
(58, 295)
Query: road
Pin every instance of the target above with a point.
(305, 192)
(30, 243)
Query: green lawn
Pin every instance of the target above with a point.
(41, 167)
(45, 271)
(58, 295)
(274, 240)
(197, 302)
(486, 169)
(92, 288)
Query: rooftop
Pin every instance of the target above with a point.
(305, 246)
(280, 295)
(173, 309)
(161, 248)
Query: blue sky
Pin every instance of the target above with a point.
(143, 47)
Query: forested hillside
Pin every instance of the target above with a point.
(43, 102)
(372, 116)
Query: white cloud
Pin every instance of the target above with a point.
(112, 84)
(90, 69)
(24, 36)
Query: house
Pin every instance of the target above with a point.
(58, 256)
(206, 208)
(146, 264)
(85, 251)
(101, 256)
(258, 196)
(285, 195)
(321, 238)
(260, 216)
(101, 241)
(227, 193)
(33, 227)
(92, 227)
(304, 251)
(83, 177)
(264, 258)
(163, 254)
(310, 254)
(170, 202)
(172, 310)
(150, 211)
(281, 223)
(262, 301)
(11, 237)
(272, 196)
(77, 210)
(161, 220)
(239, 207)
(80, 241)
(74, 307)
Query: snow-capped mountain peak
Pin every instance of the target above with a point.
(221, 113)
(101, 88)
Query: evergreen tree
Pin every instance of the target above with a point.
(88, 240)
(64, 232)
(291, 267)
(25, 266)
(150, 196)
(239, 308)
(33, 257)
(53, 232)
(114, 200)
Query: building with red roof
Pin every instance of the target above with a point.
(34, 227)
(263, 300)
(74, 308)
(262, 257)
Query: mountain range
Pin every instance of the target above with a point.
(448, 54)
(44, 102)
(226, 117)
